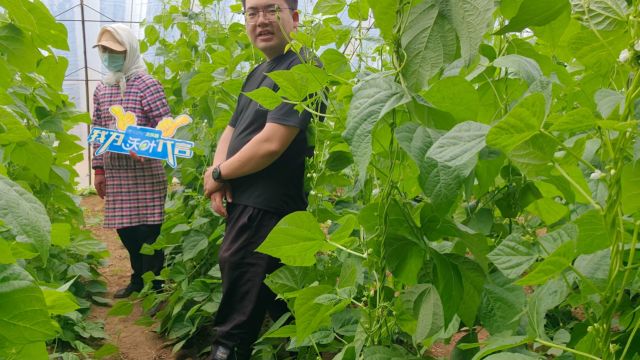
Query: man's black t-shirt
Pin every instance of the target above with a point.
(280, 186)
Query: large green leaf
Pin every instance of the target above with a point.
(448, 280)
(463, 106)
(384, 14)
(25, 216)
(534, 156)
(556, 263)
(535, 13)
(502, 305)
(35, 157)
(471, 20)
(608, 101)
(300, 81)
(501, 342)
(265, 97)
(442, 183)
(429, 43)
(59, 302)
(48, 30)
(193, 243)
(372, 99)
(545, 298)
(513, 256)
(311, 315)
(520, 124)
(295, 240)
(592, 232)
(601, 14)
(526, 68)
(12, 130)
(23, 308)
(329, 7)
(460, 145)
(473, 280)
(419, 311)
(416, 140)
(548, 210)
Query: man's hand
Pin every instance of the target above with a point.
(101, 185)
(217, 200)
(211, 186)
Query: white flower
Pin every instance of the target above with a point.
(597, 175)
(636, 46)
(624, 56)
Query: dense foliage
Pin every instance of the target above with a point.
(476, 169)
(48, 264)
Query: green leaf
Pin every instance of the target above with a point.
(151, 34)
(441, 183)
(121, 308)
(630, 185)
(471, 20)
(13, 130)
(105, 351)
(289, 279)
(6, 255)
(193, 244)
(502, 305)
(25, 216)
(601, 14)
(416, 140)
(463, 106)
(545, 298)
(449, 284)
(48, 32)
(551, 266)
(359, 10)
(473, 281)
(265, 97)
(335, 62)
(535, 13)
(595, 267)
(578, 120)
(498, 343)
(384, 14)
(395, 352)
(23, 308)
(592, 232)
(509, 8)
(461, 145)
(520, 124)
(35, 157)
(200, 84)
(534, 156)
(329, 7)
(419, 311)
(548, 210)
(311, 315)
(300, 81)
(513, 256)
(511, 356)
(608, 100)
(526, 68)
(429, 43)
(61, 234)
(372, 99)
(295, 240)
(59, 302)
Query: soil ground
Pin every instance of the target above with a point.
(133, 341)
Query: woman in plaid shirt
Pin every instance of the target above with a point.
(134, 188)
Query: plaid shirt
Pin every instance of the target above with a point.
(135, 191)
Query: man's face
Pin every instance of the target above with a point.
(269, 23)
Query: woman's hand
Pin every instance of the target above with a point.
(100, 183)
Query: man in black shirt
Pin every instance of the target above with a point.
(258, 168)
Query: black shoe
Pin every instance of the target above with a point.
(220, 352)
(126, 291)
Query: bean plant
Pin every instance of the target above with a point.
(474, 178)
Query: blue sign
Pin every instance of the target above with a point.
(144, 141)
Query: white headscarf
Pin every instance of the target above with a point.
(133, 62)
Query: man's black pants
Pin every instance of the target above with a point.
(133, 237)
(245, 297)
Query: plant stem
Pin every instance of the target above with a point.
(564, 348)
(580, 190)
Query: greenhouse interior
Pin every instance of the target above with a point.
(315, 180)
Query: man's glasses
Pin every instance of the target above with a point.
(269, 13)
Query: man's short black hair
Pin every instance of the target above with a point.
(292, 4)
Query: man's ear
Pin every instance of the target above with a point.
(296, 19)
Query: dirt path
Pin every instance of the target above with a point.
(134, 342)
